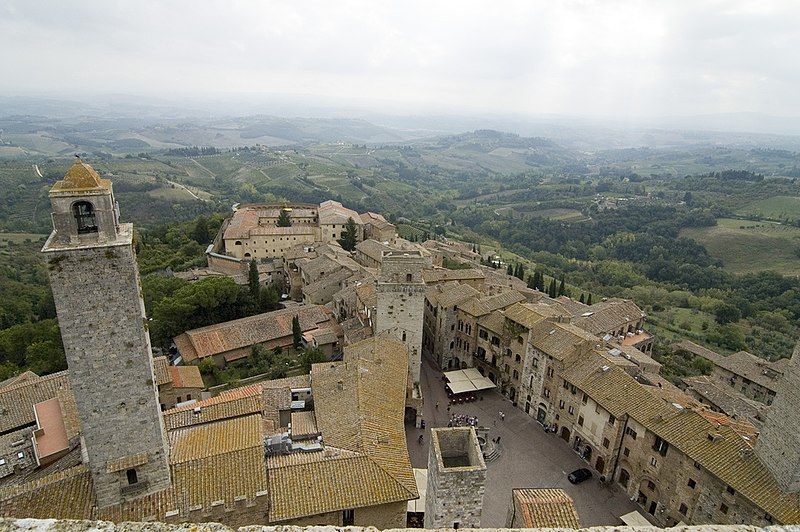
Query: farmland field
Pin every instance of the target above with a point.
(785, 208)
(745, 246)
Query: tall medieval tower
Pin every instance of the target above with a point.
(95, 283)
(778, 445)
(401, 300)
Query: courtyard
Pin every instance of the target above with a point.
(530, 458)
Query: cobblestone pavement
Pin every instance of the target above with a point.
(530, 458)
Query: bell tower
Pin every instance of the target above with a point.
(95, 282)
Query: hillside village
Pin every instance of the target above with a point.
(125, 435)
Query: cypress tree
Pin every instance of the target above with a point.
(510, 269)
(581, 299)
(297, 332)
(252, 280)
(561, 288)
(349, 236)
(552, 292)
(283, 218)
(589, 301)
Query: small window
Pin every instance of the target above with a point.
(691, 483)
(580, 420)
(2, 461)
(653, 461)
(348, 517)
(408, 277)
(683, 509)
(585, 399)
(606, 443)
(731, 490)
(626, 452)
(611, 420)
(133, 478)
(561, 405)
(20, 455)
(404, 336)
(651, 485)
(723, 508)
(571, 410)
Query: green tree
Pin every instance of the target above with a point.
(581, 300)
(200, 233)
(510, 269)
(283, 218)
(311, 356)
(207, 366)
(589, 300)
(553, 289)
(727, 313)
(349, 236)
(297, 332)
(562, 288)
(252, 280)
(268, 298)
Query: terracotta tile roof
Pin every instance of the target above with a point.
(336, 278)
(161, 370)
(545, 508)
(230, 404)
(561, 340)
(485, 305)
(366, 294)
(24, 377)
(451, 293)
(244, 332)
(528, 314)
(372, 249)
(333, 212)
(375, 219)
(608, 316)
(439, 275)
(17, 400)
(494, 321)
(65, 494)
(741, 363)
(726, 455)
(730, 403)
(359, 406)
(224, 436)
(304, 425)
(576, 308)
(186, 377)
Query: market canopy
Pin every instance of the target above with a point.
(467, 380)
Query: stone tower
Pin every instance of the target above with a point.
(95, 283)
(401, 303)
(778, 445)
(456, 479)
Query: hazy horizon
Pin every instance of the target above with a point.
(621, 60)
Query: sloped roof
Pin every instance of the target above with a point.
(186, 377)
(438, 275)
(741, 363)
(561, 340)
(727, 456)
(528, 314)
(546, 508)
(494, 321)
(17, 400)
(161, 370)
(372, 249)
(608, 316)
(333, 212)
(485, 305)
(730, 403)
(81, 176)
(235, 334)
(233, 403)
(451, 293)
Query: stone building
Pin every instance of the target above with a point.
(779, 443)
(456, 479)
(177, 384)
(741, 372)
(377, 228)
(232, 340)
(400, 309)
(440, 319)
(95, 283)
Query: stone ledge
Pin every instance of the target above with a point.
(59, 525)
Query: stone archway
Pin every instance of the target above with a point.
(565, 434)
(600, 465)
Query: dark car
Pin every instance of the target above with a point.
(579, 475)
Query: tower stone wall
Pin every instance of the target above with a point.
(456, 479)
(778, 445)
(401, 304)
(97, 292)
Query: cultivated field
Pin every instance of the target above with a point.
(785, 208)
(746, 246)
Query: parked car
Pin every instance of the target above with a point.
(579, 475)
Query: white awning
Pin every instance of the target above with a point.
(634, 518)
(418, 505)
(456, 376)
(467, 380)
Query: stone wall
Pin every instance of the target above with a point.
(55, 525)
(778, 445)
(101, 313)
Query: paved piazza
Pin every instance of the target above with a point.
(530, 458)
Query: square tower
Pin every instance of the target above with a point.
(97, 292)
(778, 445)
(401, 304)
(456, 479)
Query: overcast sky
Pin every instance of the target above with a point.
(605, 59)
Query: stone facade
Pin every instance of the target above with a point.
(456, 479)
(779, 443)
(95, 283)
(400, 301)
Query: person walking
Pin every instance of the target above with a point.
(437, 405)
(502, 416)
(419, 440)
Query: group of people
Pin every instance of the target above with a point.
(462, 420)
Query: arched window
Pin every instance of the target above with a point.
(84, 215)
